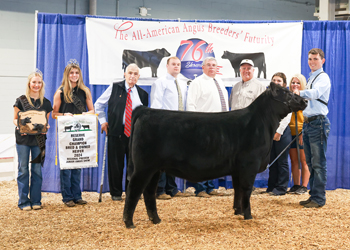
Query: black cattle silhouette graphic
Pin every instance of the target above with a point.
(236, 58)
(68, 128)
(25, 120)
(144, 59)
(38, 127)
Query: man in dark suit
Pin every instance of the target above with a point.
(121, 98)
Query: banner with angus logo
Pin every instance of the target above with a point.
(77, 141)
(113, 44)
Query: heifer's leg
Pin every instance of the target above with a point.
(150, 199)
(246, 203)
(247, 187)
(137, 184)
(237, 201)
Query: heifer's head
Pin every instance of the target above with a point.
(291, 101)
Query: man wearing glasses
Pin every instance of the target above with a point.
(207, 93)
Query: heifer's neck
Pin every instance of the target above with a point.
(266, 111)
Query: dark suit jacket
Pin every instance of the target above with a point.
(116, 107)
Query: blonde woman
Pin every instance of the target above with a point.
(29, 144)
(298, 82)
(72, 97)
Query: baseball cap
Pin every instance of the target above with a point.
(247, 61)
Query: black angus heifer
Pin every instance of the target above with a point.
(202, 146)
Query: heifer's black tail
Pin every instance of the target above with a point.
(135, 115)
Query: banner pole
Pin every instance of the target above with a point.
(56, 141)
(96, 138)
(35, 38)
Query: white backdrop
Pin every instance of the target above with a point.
(108, 38)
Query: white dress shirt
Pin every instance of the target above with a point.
(164, 93)
(244, 93)
(321, 89)
(203, 95)
(102, 102)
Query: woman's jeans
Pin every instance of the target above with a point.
(70, 184)
(34, 190)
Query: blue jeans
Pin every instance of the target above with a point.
(167, 184)
(315, 135)
(34, 190)
(206, 186)
(70, 184)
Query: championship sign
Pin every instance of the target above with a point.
(77, 141)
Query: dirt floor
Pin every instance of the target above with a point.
(187, 223)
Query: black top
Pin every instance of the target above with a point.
(29, 140)
(116, 107)
(70, 107)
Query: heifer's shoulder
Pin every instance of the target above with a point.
(139, 110)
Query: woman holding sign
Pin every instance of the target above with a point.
(71, 98)
(32, 142)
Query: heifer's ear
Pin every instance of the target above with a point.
(273, 88)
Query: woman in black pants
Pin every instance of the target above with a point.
(279, 171)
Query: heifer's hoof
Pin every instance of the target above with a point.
(129, 224)
(238, 211)
(248, 217)
(155, 220)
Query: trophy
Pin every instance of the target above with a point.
(32, 122)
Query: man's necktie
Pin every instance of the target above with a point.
(181, 105)
(128, 111)
(222, 99)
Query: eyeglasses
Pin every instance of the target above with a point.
(295, 83)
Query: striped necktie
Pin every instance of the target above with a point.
(222, 99)
(128, 111)
(179, 94)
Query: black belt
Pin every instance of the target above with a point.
(312, 118)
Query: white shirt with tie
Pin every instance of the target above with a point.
(102, 102)
(164, 93)
(203, 95)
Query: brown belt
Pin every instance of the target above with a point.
(312, 118)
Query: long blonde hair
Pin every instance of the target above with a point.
(67, 85)
(301, 79)
(41, 92)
